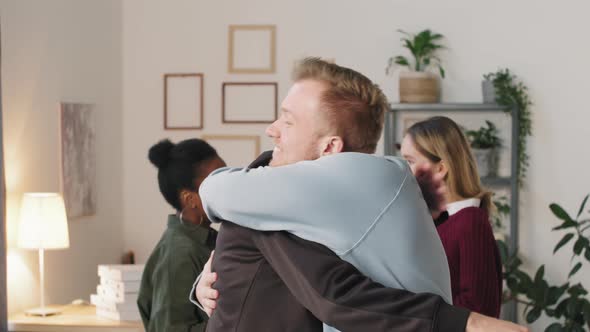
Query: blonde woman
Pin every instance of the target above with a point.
(474, 262)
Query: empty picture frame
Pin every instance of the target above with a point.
(235, 150)
(249, 102)
(183, 101)
(252, 49)
(78, 159)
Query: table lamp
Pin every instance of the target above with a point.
(43, 225)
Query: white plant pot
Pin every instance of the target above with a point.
(487, 161)
(488, 91)
(418, 87)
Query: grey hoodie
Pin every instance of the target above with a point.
(368, 209)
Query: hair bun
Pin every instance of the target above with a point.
(159, 153)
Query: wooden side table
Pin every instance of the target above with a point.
(73, 318)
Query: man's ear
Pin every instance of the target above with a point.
(332, 145)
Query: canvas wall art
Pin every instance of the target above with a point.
(78, 158)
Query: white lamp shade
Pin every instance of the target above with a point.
(43, 222)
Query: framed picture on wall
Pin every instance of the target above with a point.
(248, 102)
(78, 159)
(236, 150)
(251, 49)
(183, 101)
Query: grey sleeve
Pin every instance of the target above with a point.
(299, 198)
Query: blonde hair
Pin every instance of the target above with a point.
(440, 139)
(353, 105)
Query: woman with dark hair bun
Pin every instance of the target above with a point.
(185, 246)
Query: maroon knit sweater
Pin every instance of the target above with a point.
(474, 260)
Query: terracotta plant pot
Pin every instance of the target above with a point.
(418, 87)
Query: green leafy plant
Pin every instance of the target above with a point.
(484, 137)
(423, 47)
(568, 303)
(510, 92)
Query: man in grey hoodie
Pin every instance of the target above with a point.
(366, 209)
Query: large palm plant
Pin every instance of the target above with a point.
(423, 47)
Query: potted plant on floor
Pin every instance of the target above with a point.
(419, 85)
(484, 144)
(568, 305)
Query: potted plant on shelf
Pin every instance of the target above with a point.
(484, 144)
(509, 91)
(419, 85)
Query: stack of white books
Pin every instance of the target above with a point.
(116, 295)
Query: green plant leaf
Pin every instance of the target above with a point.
(587, 254)
(554, 294)
(575, 269)
(573, 307)
(404, 32)
(580, 244)
(410, 46)
(559, 212)
(555, 327)
(561, 308)
(539, 274)
(533, 315)
(565, 224)
(402, 60)
(441, 71)
(582, 206)
(577, 290)
(512, 284)
(563, 241)
(436, 36)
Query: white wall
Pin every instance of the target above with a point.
(541, 41)
(53, 51)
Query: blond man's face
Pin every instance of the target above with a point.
(297, 132)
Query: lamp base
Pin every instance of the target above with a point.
(44, 312)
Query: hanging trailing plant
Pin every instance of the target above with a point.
(510, 91)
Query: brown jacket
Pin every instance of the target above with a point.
(274, 281)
